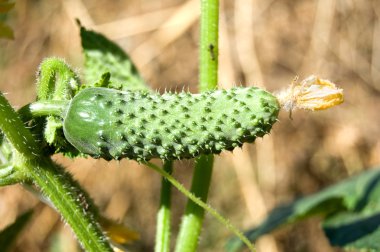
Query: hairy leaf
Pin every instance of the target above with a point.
(351, 208)
(102, 56)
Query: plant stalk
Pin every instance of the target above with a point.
(43, 108)
(208, 80)
(201, 204)
(164, 213)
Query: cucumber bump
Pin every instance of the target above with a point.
(111, 124)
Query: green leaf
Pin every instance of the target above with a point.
(5, 31)
(354, 230)
(350, 203)
(10, 233)
(102, 56)
(104, 80)
(359, 228)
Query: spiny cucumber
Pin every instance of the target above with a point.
(111, 124)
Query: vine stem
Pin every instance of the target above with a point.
(164, 213)
(57, 185)
(192, 221)
(201, 204)
(44, 108)
(209, 45)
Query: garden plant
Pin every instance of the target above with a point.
(112, 114)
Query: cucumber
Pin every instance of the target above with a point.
(111, 124)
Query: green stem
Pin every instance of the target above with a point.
(164, 213)
(71, 202)
(209, 46)
(191, 225)
(43, 108)
(57, 185)
(202, 205)
(56, 80)
(13, 128)
(208, 80)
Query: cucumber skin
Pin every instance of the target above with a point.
(111, 124)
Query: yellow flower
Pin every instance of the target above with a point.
(312, 93)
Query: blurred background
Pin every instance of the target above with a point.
(262, 43)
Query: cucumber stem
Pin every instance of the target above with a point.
(43, 108)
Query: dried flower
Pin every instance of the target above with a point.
(312, 93)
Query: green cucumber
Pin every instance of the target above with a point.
(111, 124)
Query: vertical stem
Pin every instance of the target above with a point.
(202, 204)
(192, 222)
(209, 46)
(14, 129)
(164, 213)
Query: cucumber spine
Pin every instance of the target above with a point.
(111, 124)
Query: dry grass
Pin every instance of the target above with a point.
(263, 43)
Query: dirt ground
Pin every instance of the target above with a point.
(262, 43)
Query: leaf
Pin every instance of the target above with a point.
(349, 202)
(360, 228)
(10, 233)
(5, 31)
(104, 80)
(102, 56)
